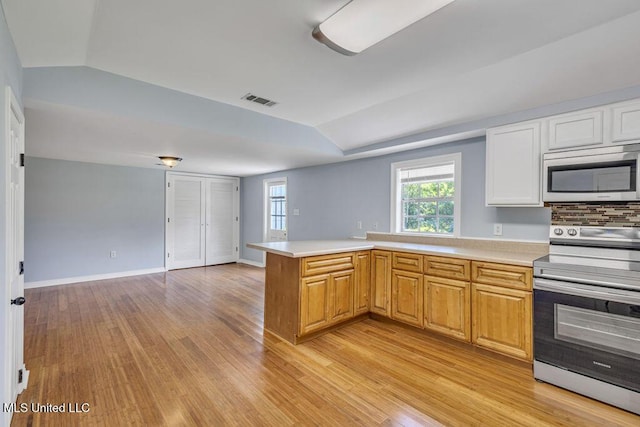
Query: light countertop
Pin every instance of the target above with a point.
(305, 248)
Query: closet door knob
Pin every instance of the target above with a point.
(18, 301)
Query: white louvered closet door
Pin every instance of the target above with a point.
(202, 220)
(222, 228)
(185, 222)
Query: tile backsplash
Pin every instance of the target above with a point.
(626, 214)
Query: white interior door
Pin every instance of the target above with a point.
(275, 209)
(222, 219)
(15, 245)
(185, 221)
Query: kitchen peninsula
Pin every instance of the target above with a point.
(476, 291)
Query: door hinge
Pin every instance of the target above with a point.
(168, 219)
(168, 254)
(168, 185)
(22, 159)
(237, 188)
(21, 267)
(236, 249)
(236, 218)
(20, 376)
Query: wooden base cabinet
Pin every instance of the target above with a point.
(407, 297)
(488, 304)
(447, 307)
(502, 308)
(306, 295)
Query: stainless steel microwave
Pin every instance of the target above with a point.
(594, 174)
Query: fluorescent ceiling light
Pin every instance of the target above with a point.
(363, 23)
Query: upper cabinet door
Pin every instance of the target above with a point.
(626, 122)
(576, 130)
(513, 165)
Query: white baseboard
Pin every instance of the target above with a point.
(78, 279)
(249, 262)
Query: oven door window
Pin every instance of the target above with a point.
(593, 337)
(602, 331)
(593, 178)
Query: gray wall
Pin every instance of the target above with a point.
(76, 213)
(93, 89)
(10, 75)
(332, 198)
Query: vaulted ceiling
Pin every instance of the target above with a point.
(471, 61)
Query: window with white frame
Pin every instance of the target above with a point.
(426, 195)
(275, 209)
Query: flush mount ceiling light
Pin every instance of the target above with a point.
(363, 23)
(170, 160)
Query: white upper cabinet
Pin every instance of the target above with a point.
(626, 122)
(514, 152)
(578, 129)
(513, 165)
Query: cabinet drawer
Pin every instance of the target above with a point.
(450, 268)
(327, 263)
(407, 262)
(508, 276)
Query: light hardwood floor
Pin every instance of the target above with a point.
(187, 348)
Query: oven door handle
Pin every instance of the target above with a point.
(584, 278)
(588, 291)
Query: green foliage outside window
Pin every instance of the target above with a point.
(428, 207)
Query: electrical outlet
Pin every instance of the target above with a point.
(497, 229)
(113, 254)
(359, 225)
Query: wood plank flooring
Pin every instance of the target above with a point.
(186, 348)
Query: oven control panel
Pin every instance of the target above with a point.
(590, 234)
(564, 231)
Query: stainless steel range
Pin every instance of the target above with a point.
(587, 313)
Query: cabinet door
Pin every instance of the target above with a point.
(626, 122)
(502, 320)
(381, 282)
(341, 296)
(513, 166)
(407, 297)
(576, 130)
(314, 303)
(362, 281)
(447, 307)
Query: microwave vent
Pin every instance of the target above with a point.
(259, 100)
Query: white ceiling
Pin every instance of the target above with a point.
(471, 60)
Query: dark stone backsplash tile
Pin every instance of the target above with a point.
(596, 214)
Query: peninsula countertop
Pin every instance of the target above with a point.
(305, 248)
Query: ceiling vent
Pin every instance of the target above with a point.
(259, 100)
